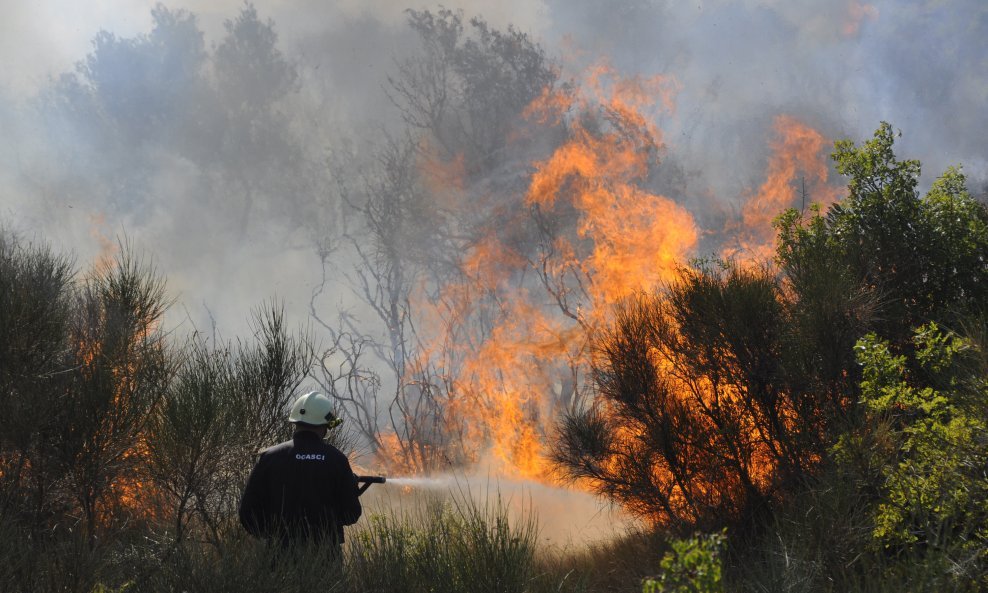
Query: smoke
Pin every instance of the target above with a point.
(839, 66)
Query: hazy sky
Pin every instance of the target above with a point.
(922, 64)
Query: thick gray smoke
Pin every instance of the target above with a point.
(841, 66)
(219, 168)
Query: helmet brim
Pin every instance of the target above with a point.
(309, 425)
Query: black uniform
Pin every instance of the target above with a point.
(302, 489)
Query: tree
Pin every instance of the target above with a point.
(260, 154)
(411, 218)
(126, 99)
(921, 257)
(250, 69)
(160, 106)
(390, 381)
(91, 365)
(36, 312)
(469, 85)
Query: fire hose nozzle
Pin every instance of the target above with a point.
(366, 481)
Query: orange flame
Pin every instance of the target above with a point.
(638, 238)
(108, 249)
(511, 375)
(128, 491)
(797, 150)
(513, 378)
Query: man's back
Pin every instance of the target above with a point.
(301, 489)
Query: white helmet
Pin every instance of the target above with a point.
(315, 409)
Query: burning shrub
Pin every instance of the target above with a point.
(87, 365)
(36, 292)
(121, 370)
(697, 421)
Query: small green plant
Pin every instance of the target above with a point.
(692, 566)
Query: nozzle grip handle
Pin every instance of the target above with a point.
(366, 481)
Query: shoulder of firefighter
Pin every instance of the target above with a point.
(301, 489)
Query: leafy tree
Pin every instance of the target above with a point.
(250, 69)
(141, 85)
(135, 107)
(259, 153)
(126, 99)
(900, 500)
(469, 85)
(922, 258)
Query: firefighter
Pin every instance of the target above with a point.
(303, 490)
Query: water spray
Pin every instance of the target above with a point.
(366, 481)
(421, 482)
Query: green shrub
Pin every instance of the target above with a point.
(932, 415)
(692, 566)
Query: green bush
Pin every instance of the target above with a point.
(926, 433)
(901, 506)
(692, 566)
